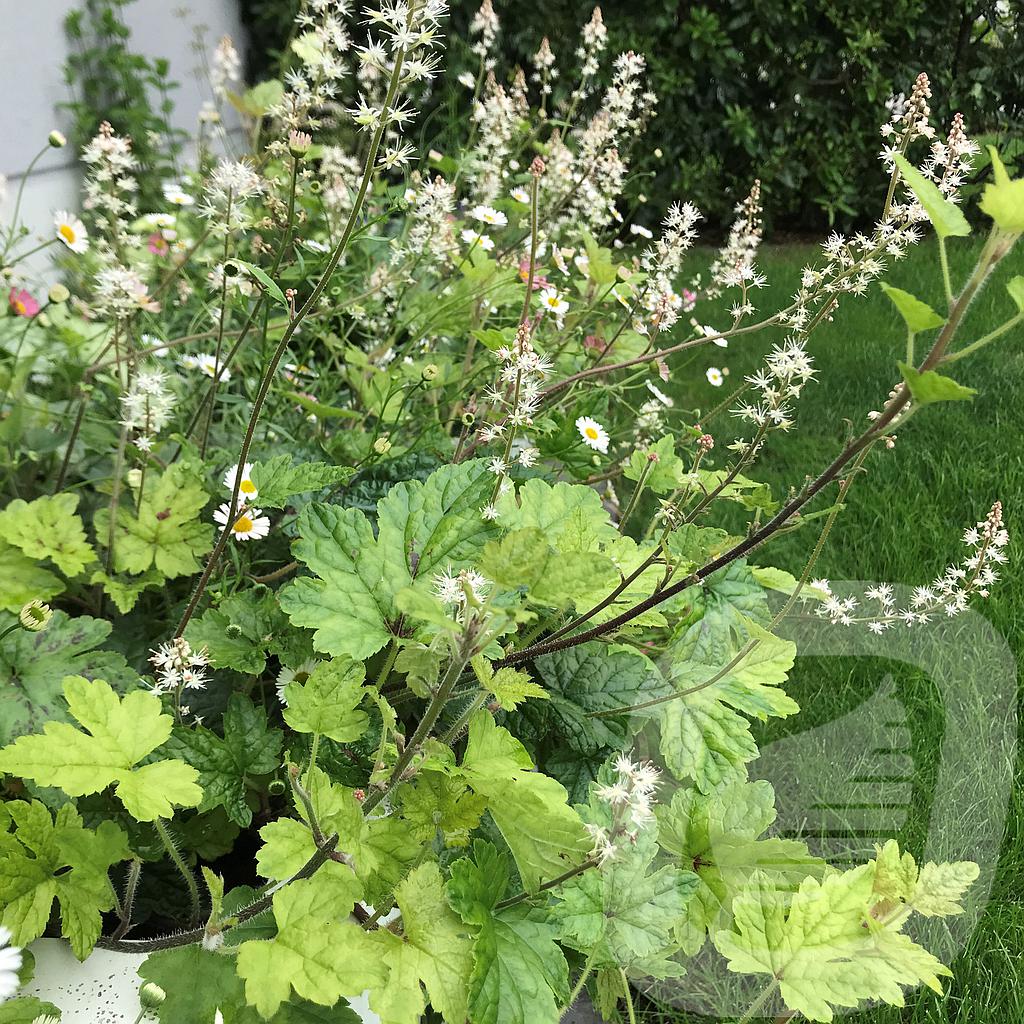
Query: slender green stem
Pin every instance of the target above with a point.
(588, 967)
(760, 1003)
(10, 629)
(179, 862)
(459, 725)
(947, 284)
(628, 996)
(985, 340)
(17, 202)
(635, 496)
(552, 883)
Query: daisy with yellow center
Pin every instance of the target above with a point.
(554, 303)
(593, 434)
(251, 524)
(520, 195)
(489, 215)
(300, 674)
(176, 196)
(715, 376)
(71, 231)
(246, 489)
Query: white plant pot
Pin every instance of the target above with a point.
(104, 989)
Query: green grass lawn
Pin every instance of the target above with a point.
(903, 524)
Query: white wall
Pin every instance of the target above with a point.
(32, 52)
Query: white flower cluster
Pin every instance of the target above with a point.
(230, 187)
(178, 667)
(948, 594)
(110, 187)
(949, 163)
(225, 67)
(486, 26)
(544, 70)
(630, 798)
(594, 39)
(146, 407)
(10, 965)
(431, 240)
(120, 292)
(662, 261)
(734, 266)
(497, 115)
(787, 370)
(457, 588)
(908, 120)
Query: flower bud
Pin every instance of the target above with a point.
(233, 631)
(468, 419)
(151, 995)
(35, 616)
(299, 143)
(430, 372)
(58, 294)
(276, 787)
(134, 478)
(57, 139)
(382, 446)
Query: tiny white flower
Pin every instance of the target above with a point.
(299, 674)
(471, 237)
(250, 524)
(520, 195)
(714, 376)
(593, 434)
(246, 488)
(176, 196)
(10, 964)
(639, 229)
(550, 299)
(409, 195)
(71, 231)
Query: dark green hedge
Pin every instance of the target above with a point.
(791, 91)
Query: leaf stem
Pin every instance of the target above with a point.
(179, 862)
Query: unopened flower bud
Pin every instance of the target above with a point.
(151, 995)
(430, 371)
(705, 442)
(299, 143)
(134, 478)
(537, 167)
(276, 787)
(382, 446)
(58, 294)
(35, 616)
(233, 631)
(468, 419)
(57, 139)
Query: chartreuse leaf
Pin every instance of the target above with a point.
(167, 533)
(1003, 199)
(437, 803)
(120, 734)
(546, 836)
(125, 593)
(933, 890)
(570, 516)
(22, 579)
(625, 914)
(946, 217)
(704, 735)
(524, 559)
(242, 630)
(917, 315)
(929, 387)
(510, 686)
(248, 747)
(434, 954)
(27, 1010)
(268, 283)
(665, 472)
(519, 974)
(718, 836)
(328, 702)
(48, 528)
(1015, 289)
(57, 859)
(316, 952)
(838, 941)
(423, 526)
(277, 479)
(32, 666)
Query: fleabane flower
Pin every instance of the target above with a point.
(71, 231)
(593, 434)
(520, 195)
(489, 215)
(471, 237)
(206, 363)
(250, 524)
(715, 376)
(177, 196)
(299, 674)
(554, 303)
(246, 488)
(21, 303)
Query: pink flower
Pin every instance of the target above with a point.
(689, 300)
(157, 244)
(592, 343)
(539, 280)
(22, 304)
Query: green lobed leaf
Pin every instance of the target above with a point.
(946, 216)
(1015, 289)
(917, 315)
(22, 579)
(929, 387)
(666, 468)
(121, 733)
(248, 747)
(125, 593)
(1003, 199)
(328, 702)
(277, 479)
(212, 983)
(49, 528)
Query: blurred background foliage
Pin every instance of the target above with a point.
(790, 91)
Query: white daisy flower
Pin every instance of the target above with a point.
(177, 196)
(471, 237)
(246, 488)
(489, 215)
(71, 231)
(709, 332)
(409, 195)
(10, 964)
(659, 395)
(714, 376)
(206, 363)
(593, 434)
(251, 524)
(315, 245)
(639, 229)
(520, 195)
(299, 674)
(550, 299)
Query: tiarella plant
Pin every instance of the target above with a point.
(356, 537)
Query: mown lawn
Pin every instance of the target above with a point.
(903, 523)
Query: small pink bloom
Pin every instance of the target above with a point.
(158, 244)
(689, 300)
(593, 343)
(539, 280)
(22, 304)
